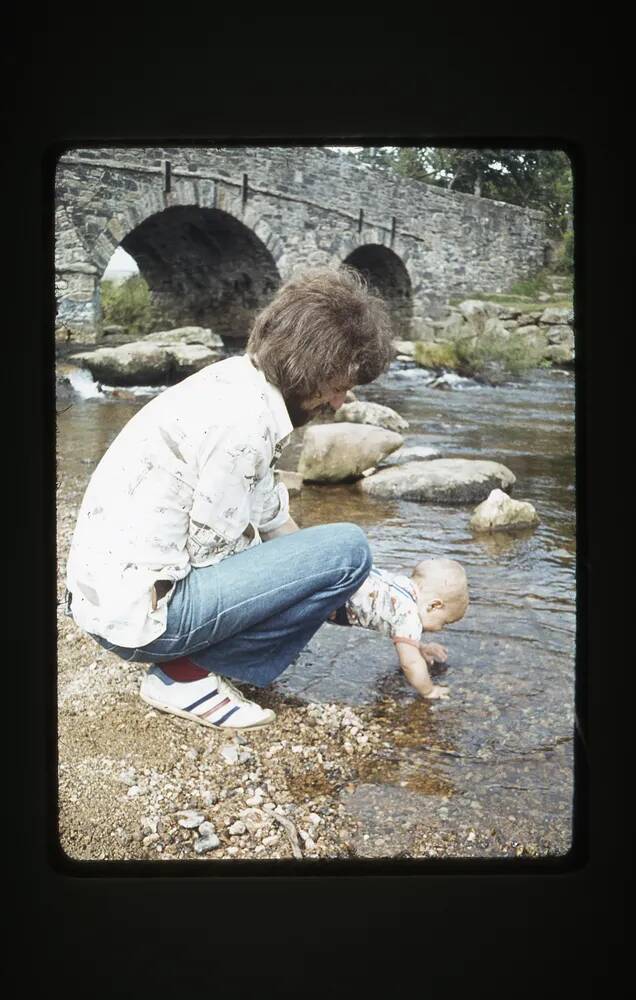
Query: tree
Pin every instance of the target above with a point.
(532, 178)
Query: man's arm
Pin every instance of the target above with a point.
(284, 529)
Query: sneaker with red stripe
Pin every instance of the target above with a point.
(212, 701)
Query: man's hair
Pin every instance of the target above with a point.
(324, 325)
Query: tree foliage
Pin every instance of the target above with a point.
(532, 178)
(128, 304)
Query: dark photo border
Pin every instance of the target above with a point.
(311, 80)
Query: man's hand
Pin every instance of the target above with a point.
(433, 652)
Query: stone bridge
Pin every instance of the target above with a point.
(214, 231)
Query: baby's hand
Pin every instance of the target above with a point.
(432, 651)
(437, 692)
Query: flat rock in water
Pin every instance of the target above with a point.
(499, 512)
(335, 453)
(442, 480)
(137, 363)
(144, 362)
(414, 453)
(186, 335)
(371, 413)
(189, 358)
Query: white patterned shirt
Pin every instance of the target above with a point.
(387, 603)
(188, 481)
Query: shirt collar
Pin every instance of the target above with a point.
(282, 424)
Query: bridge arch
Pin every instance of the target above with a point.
(385, 272)
(205, 267)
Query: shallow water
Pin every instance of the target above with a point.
(494, 762)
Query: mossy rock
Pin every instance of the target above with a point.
(437, 354)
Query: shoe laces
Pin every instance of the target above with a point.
(235, 692)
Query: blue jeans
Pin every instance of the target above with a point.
(250, 615)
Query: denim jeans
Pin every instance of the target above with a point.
(250, 615)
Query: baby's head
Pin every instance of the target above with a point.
(442, 592)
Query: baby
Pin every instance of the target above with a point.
(401, 607)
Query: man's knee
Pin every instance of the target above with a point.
(352, 539)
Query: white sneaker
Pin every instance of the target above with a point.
(212, 701)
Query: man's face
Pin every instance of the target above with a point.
(330, 398)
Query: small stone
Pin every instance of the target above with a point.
(191, 755)
(191, 818)
(254, 800)
(133, 791)
(237, 829)
(471, 836)
(209, 798)
(309, 844)
(127, 777)
(229, 753)
(206, 843)
(244, 756)
(152, 838)
(314, 819)
(149, 824)
(272, 839)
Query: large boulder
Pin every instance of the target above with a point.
(493, 326)
(334, 453)
(561, 335)
(422, 329)
(438, 355)
(405, 347)
(559, 354)
(442, 480)
(452, 328)
(144, 362)
(498, 512)
(371, 413)
(476, 307)
(186, 335)
(555, 316)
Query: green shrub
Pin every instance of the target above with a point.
(533, 285)
(128, 304)
(565, 264)
(435, 354)
(490, 357)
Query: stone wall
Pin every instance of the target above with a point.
(216, 232)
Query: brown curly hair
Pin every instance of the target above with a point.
(323, 326)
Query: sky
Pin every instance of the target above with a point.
(119, 265)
